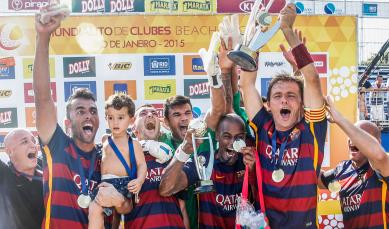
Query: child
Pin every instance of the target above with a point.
(123, 160)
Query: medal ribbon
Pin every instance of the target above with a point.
(130, 171)
(274, 150)
(84, 190)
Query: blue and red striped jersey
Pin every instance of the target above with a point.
(361, 196)
(153, 210)
(62, 182)
(218, 209)
(291, 202)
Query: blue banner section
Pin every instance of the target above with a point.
(69, 87)
(159, 65)
(369, 9)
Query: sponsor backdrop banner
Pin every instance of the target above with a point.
(155, 57)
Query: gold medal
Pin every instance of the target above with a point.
(83, 201)
(334, 186)
(278, 175)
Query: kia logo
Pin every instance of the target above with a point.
(246, 5)
(17, 4)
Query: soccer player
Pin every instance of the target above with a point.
(216, 209)
(154, 210)
(291, 137)
(361, 181)
(70, 163)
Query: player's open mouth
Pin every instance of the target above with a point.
(230, 152)
(285, 113)
(88, 129)
(32, 155)
(183, 128)
(353, 148)
(150, 126)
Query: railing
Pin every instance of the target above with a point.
(373, 104)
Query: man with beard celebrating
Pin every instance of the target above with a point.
(153, 210)
(71, 164)
(361, 181)
(290, 138)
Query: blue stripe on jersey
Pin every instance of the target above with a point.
(292, 202)
(152, 206)
(64, 187)
(360, 195)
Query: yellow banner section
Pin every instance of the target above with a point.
(28, 66)
(159, 89)
(180, 6)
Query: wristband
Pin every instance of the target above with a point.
(215, 81)
(302, 56)
(180, 155)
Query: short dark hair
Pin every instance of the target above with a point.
(120, 100)
(284, 77)
(79, 93)
(173, 101)
(231, 117)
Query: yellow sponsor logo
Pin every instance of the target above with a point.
(159, 89)
(28, 66)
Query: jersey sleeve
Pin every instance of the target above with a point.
(316, 121)
(57, 142)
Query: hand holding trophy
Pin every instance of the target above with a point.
(256, 35)
(229, 28)
(203, 170)
(54, 9)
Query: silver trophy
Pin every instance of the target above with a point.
(256, 35)
(205, 184)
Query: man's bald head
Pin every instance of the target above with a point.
(370, 128)
(10, 138)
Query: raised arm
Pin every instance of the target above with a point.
(313, 96)
(251, 98)
(369, 146)
(218, 102)
(174, 178)
(46, 113)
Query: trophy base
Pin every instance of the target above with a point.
(204, 186)
(244, 57)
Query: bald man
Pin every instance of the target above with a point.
(361, 181)
(21, 198)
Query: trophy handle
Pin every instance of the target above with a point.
(195, 157)
(209, 168)
(261, 38)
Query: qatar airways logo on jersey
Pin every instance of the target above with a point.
(91, 184)
(228, 202)
(351, 203)
(290, 156)
(154, 175)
